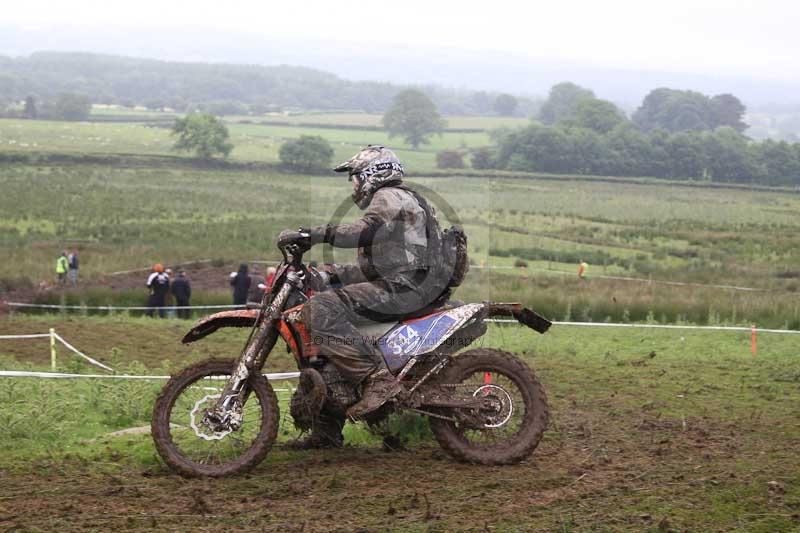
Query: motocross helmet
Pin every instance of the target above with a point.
(372, 168)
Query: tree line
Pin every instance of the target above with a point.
(674, 134)
(220, 89)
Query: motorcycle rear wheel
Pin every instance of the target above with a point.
(179, 409)
(514, 433)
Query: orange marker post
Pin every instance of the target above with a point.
(753, 340)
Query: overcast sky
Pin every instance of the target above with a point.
(726, 36)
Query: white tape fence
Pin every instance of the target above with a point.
(119, 307)
(275, 376)
(55, 337)
(655, 326)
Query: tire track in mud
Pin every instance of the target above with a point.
(581, 461)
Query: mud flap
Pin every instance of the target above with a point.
(523, 315)
(243, 318)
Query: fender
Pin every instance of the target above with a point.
(523, 315)
(240, 318)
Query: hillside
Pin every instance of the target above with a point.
(155, 84)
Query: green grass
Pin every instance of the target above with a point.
(649, 429)
(372, 121)
(252, 142)
(129, 218)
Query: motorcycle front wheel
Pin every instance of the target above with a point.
(505, 434)
(190, 447)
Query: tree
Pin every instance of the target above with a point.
(537, 148)
(413, 116)
(505, 104)
(307, 153)
(727, 110)
(480, 103)
(561, 101)
(686, 157)
(675, 111)
(70, 106)
(203, 134)
(483, 158)
(779, 161)
(595, 114)
(30, 108)
(590, 151)
(449, 159)
(727, 155)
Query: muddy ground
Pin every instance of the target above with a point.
(650, 431)
(579, 471)
(600, 468)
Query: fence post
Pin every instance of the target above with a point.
(53, 349)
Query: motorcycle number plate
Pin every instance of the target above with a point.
(414, 338)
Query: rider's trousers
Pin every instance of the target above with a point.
(332, 317)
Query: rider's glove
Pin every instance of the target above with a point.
(319, 234)
(300, 238)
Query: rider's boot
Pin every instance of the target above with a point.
(380, 387)
(326, 432)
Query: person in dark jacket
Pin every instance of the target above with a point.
(158, 283)
(182, 291)
(390, 280)
(73, 267)
(240, 281)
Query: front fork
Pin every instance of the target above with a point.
(227, 412)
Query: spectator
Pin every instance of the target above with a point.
(582, 267)
(158, 283)
(73, 267)
(182, 291)
(169, 300)
(62, 266)
(255, 293)
(240, 281)
(270, 277)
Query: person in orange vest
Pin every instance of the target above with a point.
(158, 283)
(582, 270)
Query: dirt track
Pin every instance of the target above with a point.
(587, 474)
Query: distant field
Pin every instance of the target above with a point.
(252, 142)
(374, 120)
(347, 119)
(130, 218)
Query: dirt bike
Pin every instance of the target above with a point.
(220, 416)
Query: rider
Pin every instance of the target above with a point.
(391, 279)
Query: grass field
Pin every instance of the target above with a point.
(326, 118)
(650, 429)
(656, 430)
(124, 218)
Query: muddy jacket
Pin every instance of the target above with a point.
(390, 238)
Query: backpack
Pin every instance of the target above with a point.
(454, 254)
(447, 250)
